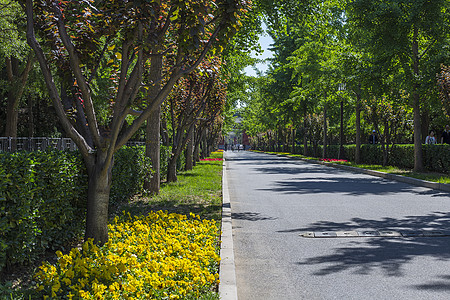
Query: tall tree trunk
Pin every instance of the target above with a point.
(164, 132)
(153, 151)
(153, 130)
(418, 156)
(12, 114)
(358, 126)
(384, 144)
(17, 81)
(293, 140)
(305, 136)
(172, 169)
(341, 133)
(198, 139)
(30, 117)
(325, 131)
(190, 151)
(204, 143)
(99, 188)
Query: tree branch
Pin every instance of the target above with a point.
(70, 130)
(82, 83)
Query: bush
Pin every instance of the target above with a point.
(437, 158)
(131, 168)
(165, 153)
(42, 196)
(402, 156)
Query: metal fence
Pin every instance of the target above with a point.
(8, 144)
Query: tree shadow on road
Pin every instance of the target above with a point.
(251, 216)
(298, 169)
(355, 186)
(441, 284)
(390, 255)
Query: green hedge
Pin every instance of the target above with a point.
(43, 198)
(131, 168)
(436, 158)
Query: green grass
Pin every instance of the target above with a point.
(428, 176)
(198, 191)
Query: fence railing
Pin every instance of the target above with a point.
(9, 144)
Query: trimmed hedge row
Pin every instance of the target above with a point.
(436, 158)
(43, 198)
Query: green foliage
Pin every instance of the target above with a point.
(165, 152)
(131, 168)
(437, 158)
(42, 198)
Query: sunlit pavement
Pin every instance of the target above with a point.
(274, 200)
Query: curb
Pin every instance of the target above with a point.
(227, 274)
(414, 181)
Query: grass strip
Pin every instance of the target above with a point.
(197, 191)
(428, 176)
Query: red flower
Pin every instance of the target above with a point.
(211, 159)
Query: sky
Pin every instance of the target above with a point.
(264, 40)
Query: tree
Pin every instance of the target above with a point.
(18, 60)
(420, 30)
(86, 34)
(201, 90)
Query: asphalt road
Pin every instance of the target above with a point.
(274, 199)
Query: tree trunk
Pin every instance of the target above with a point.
(205, 144)
(99, 188)
(17, 81)
(12, 114)
(418, 158)
(305, 135)
(384, 144)
(198, 135)
(30, 117)
(153, 151)
(341, 133)
(172, 170)
(358, 126)
(164, 133)
(153, 131)
(325, 132)
(293, 140)
(190, 151)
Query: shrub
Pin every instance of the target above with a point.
(159, 256)
(42, 198)
(165, 156)
(437, 158)
(402, 156)
(131, 168)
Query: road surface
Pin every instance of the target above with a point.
(275, 199)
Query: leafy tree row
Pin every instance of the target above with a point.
(344, 68)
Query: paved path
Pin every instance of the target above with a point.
(273, 199)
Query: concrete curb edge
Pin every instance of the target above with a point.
(227, 274)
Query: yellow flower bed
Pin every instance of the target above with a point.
(159, 256)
